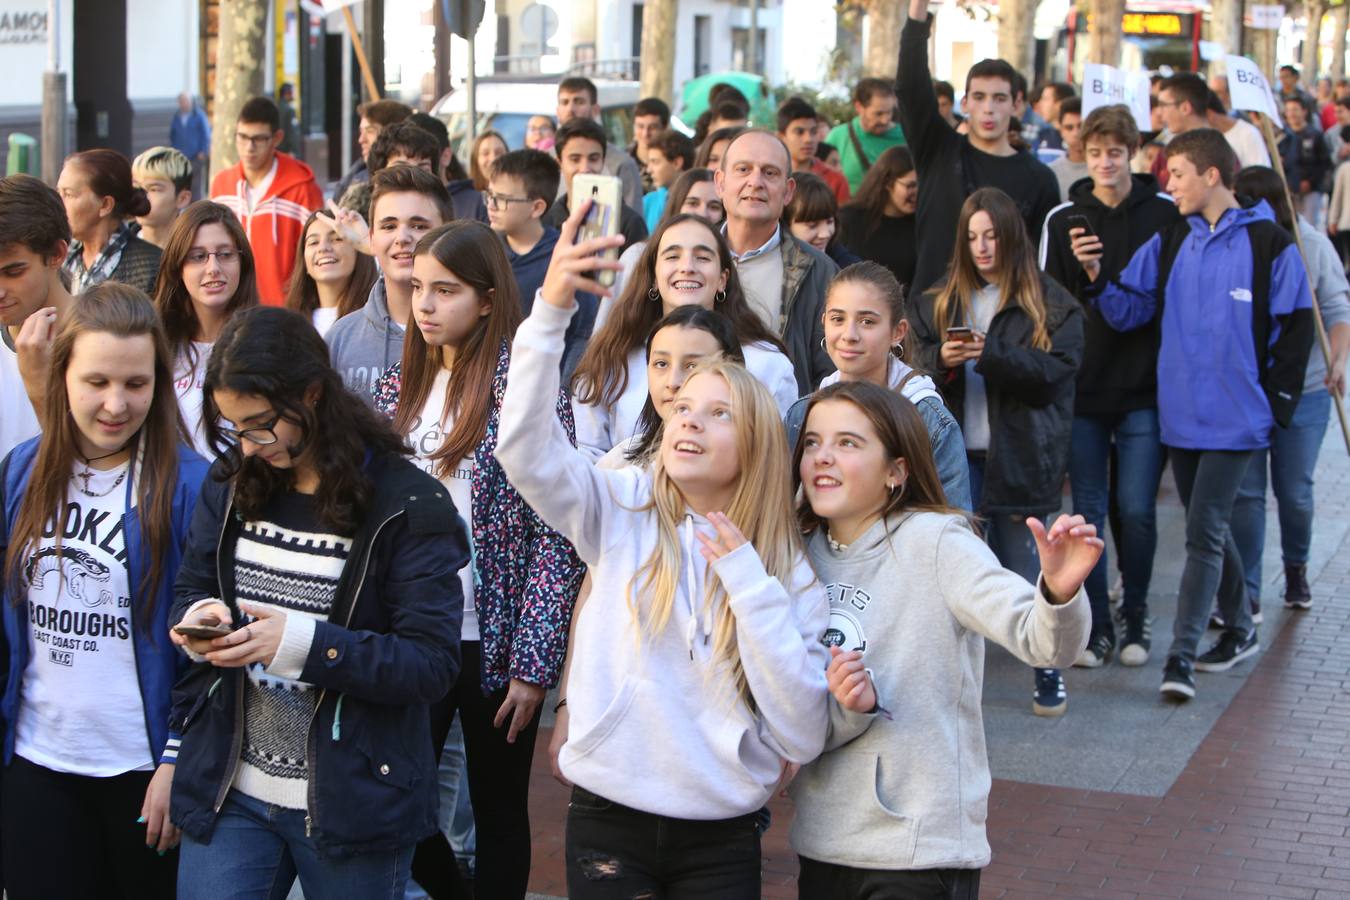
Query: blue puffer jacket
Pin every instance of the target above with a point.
(389, 649)
(158, 662)
(1234, 346)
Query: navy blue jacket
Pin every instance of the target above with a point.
(389, 649)
(158, 662)
(192, 137)
(1234, 347)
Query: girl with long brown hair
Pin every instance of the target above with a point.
(206, 276)
(445, 396)
(879, 223)
(914, 593)
(1003, 341)
(332, 278)
(487, 148)
(697, 656)
(95, 513)
(686, 261)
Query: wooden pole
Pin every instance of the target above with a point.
(1268, 130)
(361, 60)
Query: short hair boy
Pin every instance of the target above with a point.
(1232, 275)
(405, 143)
(668, 156)
(165, 175)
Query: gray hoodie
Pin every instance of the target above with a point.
(910, 791)
(364, 344)
(1333, 296)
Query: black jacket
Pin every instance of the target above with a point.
(1030, 395)
(1120, 369)
(631, 224)
(389, 649)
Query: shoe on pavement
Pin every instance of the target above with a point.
(1230, 649)
(1296, 592)
(1050, 699)
(1097, 653)
(1178, 680)
(1138, 639)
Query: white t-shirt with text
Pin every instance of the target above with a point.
(189, 371)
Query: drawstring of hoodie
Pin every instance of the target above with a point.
(691, 590)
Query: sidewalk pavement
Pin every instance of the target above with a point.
(1242, 793)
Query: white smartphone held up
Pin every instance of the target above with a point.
(606, 192)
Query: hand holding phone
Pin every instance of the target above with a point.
(205, 629)
(962, 343)
(1086, 245)
(602, 220)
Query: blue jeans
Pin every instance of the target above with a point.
(258, 849)
(1139, 459)
(1292, 458)
(1005, 533)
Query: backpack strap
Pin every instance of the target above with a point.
(900, 388)
(857, 145)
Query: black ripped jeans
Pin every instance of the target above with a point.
(618, 853)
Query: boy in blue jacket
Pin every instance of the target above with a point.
(1230, 293)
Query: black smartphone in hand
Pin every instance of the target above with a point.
(1079, 220)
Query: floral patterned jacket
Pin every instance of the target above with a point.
(526, 575)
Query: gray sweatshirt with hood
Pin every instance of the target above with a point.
(911, 791)
(365, 343)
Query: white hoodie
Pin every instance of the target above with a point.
(655, 723)
(915, 389)
(599, 429)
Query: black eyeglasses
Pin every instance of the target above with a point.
(253, 140)
(262, 435)
(500, 201)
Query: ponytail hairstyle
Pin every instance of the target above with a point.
(109, 175)
(903, 435)
(601, 376)
(276, 354)
(694, 318)
(1018, 276)
(473, 252)
(172, 299)
(303, 296)
(122, 311)
(761, 507)
(892, 293)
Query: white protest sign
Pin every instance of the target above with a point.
(1249, 87)
(1107, 85)
(1267, 17)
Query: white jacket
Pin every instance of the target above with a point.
(655, 723)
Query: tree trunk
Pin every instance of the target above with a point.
(1016, 35)
(1342, 22)
(239, 72)
(1104, 38)
(1312, 41)
(1225, 25)
(658, 49)
(885, 18)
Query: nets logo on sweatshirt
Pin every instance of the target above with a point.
(845, 629)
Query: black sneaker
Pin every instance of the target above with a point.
(1138, 638)
(1230, 649)
(1050, 699)
(1097, 653)
(1178, 681)
(1296, 592)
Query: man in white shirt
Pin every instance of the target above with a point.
(1244, 137)
(34, 235)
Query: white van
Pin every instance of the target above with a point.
(505, 106)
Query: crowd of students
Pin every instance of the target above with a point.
(751, 509)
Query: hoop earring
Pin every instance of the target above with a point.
(898, 350)
(653, 295)
(720, 297)
(822, 343)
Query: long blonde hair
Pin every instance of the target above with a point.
(761, 507)
(1018, 277)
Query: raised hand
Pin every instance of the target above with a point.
(849, 682)
(1068, 551)
(573, 266)
(1087, 249)
(729, 537)
(349, 225)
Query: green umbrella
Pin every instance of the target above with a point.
(694, 97)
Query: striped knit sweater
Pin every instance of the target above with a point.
(285, 562)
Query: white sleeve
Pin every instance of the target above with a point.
(559, 481)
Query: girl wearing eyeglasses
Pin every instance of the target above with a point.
(307, 734)
(88, 665)
(206, 276)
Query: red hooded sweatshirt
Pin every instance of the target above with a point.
(277, 219)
